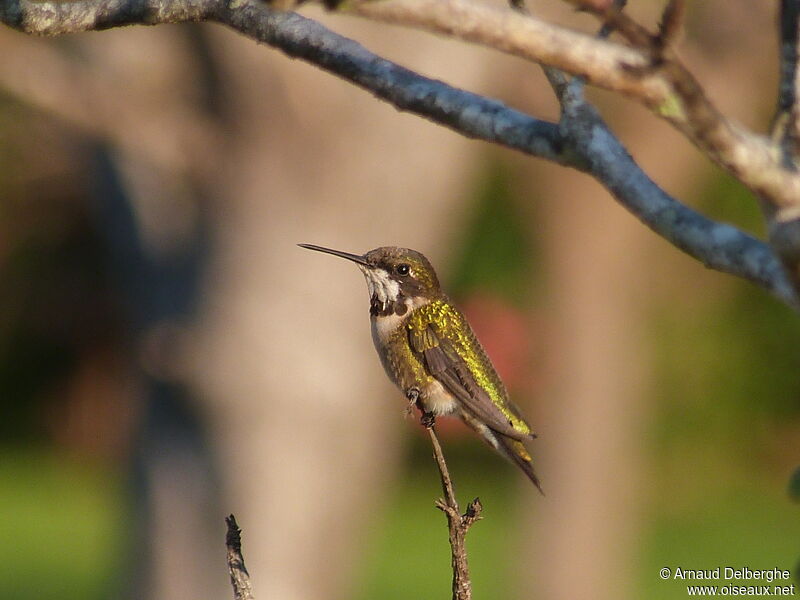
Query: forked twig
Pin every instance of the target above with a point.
(457, 523)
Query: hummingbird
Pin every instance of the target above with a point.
(429, 351)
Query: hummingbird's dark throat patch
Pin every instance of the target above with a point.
(381, 309)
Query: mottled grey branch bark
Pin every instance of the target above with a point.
(650, 75)
(723, 246)
(582, 141)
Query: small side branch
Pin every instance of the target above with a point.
(240, 578)
(457, 523)
(671, 23)
(686, 105)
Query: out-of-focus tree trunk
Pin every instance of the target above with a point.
(592, 418)
(305, 422)
(603, 269)
(308, 424)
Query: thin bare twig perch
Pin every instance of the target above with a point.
(240, 578)
(457, 523)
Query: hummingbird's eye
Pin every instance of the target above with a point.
(402, 269)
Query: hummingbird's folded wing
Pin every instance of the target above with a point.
(444, 363)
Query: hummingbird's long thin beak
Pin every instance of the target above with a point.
(354, 257)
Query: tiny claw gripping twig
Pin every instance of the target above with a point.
(412, 394)
(427, 419)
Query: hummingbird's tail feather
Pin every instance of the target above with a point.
(512, 449)
(517, 453)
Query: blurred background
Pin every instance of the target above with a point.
(169, 356)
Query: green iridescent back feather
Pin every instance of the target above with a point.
(450, 324)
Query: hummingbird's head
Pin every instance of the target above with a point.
(396, 277)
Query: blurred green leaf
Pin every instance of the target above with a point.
(495, 253)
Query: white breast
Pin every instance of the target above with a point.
(435, 397)
(384, 327)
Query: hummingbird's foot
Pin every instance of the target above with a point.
(409, 410)
(412, 394)
(428, 420)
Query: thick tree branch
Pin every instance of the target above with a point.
(580, 123)
(671, 93)
(724, 246)
(469, 114)
(585, 143)
(663, 85)
(240, 578)
(58, 17)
